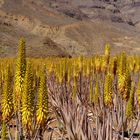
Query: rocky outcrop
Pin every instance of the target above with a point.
(68, 28)
(126, 11)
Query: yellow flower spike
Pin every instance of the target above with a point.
(98, 64)
(75, 73)
(108, 91)
(7, 100)
(96, 93)
(107, 50)
(27, 98)
(19, 74)
(92, 65)
(107, 53)
(64, 67)
(88, 68)
(80, 62)
(84, 69)
(104, 65)
(4, 131)
(122, 64)
(50, 68)
(69, 74)
(130, 104)
(60, 75)
(124, 84)
(113, 65)
(42, 102)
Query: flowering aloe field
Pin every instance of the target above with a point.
(83, 98)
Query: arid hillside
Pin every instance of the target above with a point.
(69, 28)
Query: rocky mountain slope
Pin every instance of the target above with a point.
(69, 27)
